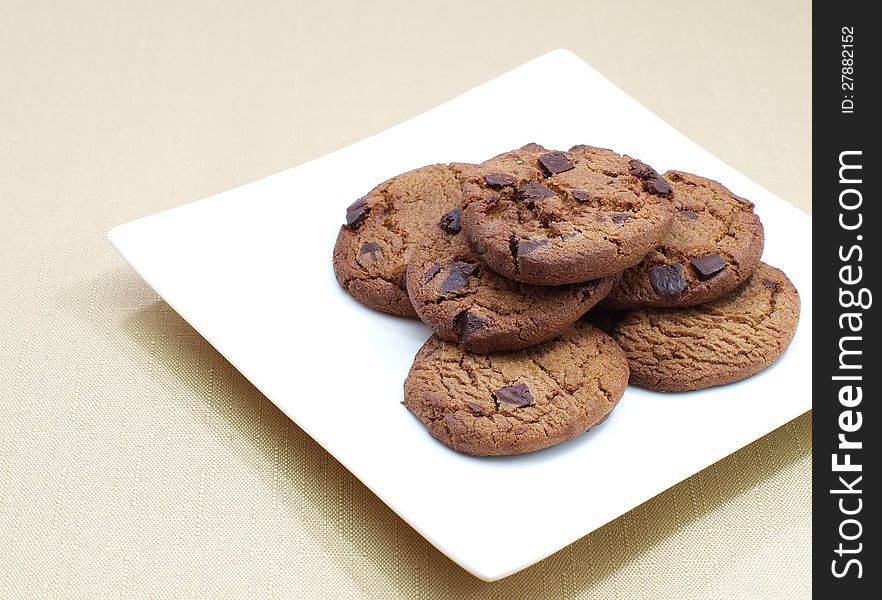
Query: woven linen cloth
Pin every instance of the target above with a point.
(135, 462)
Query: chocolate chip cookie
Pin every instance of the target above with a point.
(714, 244)
(383, 227)
(720, 342)
(515, 402)
(548, 217)
(464, 302)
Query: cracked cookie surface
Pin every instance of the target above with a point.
(548, 217)
(383, 227)
(464, 302)
(721, 342)
(515, 402)
(714, 244)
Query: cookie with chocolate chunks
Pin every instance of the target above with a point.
(382, 228)
(465, 302)
(714, 244)
(720, 342)
(548, 217)
(515, 402)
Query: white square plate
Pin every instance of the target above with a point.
(250, 269)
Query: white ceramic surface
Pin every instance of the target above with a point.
(250, 269)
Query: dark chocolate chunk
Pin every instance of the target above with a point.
(658, 186)
(533, 191)
(514, 396)
(769, 283)
(467, 325)
(667, 280)
(555, 162)
(356, 213)
(527, 246)
(581, 196)
(475, 408)
(619, 218)
(708, 265)
(653, 183)
(369, 248)
(497, 181)
(430, 274)
(689, 214)
(641, 170)
(451, 222)
(458, 274)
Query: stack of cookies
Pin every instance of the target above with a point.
(551, 279)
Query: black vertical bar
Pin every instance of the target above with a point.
(847, 222)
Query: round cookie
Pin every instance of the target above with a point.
(516, 402)
(714, 244)
(383, 227)
(549, 218)
(723, 341)
(464, 302)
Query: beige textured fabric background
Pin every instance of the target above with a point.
(135, 462)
